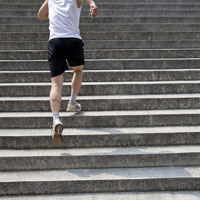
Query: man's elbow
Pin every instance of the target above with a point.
(42, 17)
(39, 17)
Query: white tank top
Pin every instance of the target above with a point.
(64, 17)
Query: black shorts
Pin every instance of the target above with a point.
(62, 49)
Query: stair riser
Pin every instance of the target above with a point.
(139, 55)
(106, 45)
(107, 27)
(102, 76)
(108, 64)
(167, 36)
(136, 6)
(106, 161)
(106, 89)
(35, 6)
(107, 54)
(114, 13)
(56, 187)
(104, 140)
(30, 2)
(101, 104)
(33, 20)
(103, 121)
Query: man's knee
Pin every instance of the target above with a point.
(57, 81)
(78, 69)
(56, 100)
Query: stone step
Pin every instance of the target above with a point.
(155, 2)
(106, 64)
(100, 137)
(180, 117)
(139, 20)
(100, 180)
(103, 88)
(108, 103)
(144, 27)
(106, 44)
(104, 75)
(178, 195)
(35, 6)
(105, 54)
(106, 35)
(118, 12)
(87, 158)
(106, 5)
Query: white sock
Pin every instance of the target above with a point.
(73, 99)
(55, 116)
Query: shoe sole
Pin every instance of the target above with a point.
(57, 135)
(73, 110)
(68, 110)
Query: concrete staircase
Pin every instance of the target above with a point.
(138, 136)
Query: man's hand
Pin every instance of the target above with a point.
(93, 10)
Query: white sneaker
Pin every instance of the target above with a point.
(57, 131)
(74, 107)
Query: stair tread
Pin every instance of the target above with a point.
(104, 70)
(103, 113)
(101, 174)
(182, 140)
(183, 149)
(107, 50)
(101, 131)
(107, 59)
(107, 97)
(178, 195)
(106, 83)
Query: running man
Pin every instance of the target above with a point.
(65, 43)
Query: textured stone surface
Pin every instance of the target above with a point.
(106, 27)
(157, 2)
(33, 20)
(100, 180)
(104, 75)
(195, 195)
(106, 44)
(115, 12)
(103, 88)
(109, 35)
(105, 54)
(103, 119)
(100, 137)
(145, 35)
(102, 64)
(97, 103)
(100, 158)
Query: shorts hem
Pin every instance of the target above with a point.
(76, 64)
(57, 74)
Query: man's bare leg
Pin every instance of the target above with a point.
(55, 101)
(77, 79)
(76, 85)
(56, 93)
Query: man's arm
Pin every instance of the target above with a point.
(43, 13)
(79, 3)
(93, 8)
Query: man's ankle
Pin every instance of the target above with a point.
(73, 99)
(55, 116)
